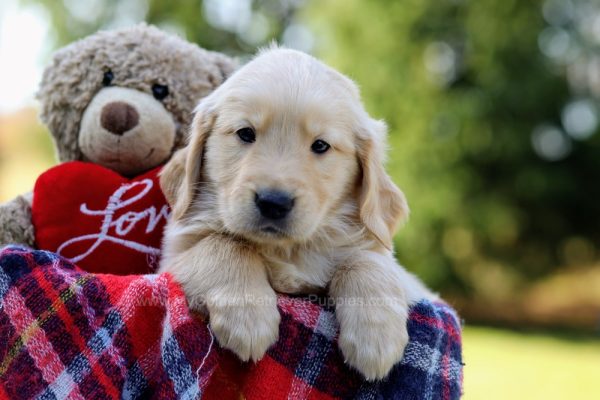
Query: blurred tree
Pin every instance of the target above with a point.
(492, 107)
(503, 186)
(232, 26)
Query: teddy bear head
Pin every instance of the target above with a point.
(124, 98)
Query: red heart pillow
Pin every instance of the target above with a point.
(98, 219)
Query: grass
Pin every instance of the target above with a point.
(502, 364)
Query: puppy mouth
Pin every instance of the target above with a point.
(272, 230)
(267, 232)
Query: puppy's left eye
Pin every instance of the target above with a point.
(320, 146)
(160, 91)
(246, 135)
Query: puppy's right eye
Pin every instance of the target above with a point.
(320, 146)
(246, 135)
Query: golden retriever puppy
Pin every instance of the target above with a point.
(282, 188)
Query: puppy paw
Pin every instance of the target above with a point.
(373, 340)
(248, 329)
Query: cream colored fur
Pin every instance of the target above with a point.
(338, 236)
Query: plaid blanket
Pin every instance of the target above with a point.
(65, 333)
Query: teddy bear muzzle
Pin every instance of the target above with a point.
(126, 130)
(119, 117)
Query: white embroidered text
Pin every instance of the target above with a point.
(121, 225)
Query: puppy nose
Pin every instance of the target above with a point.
(273, 204)
(119, 117)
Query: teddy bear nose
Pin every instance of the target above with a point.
(119, 117)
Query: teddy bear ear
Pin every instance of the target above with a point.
(226, 65)
(62, 103)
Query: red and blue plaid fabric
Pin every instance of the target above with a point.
(65, 333)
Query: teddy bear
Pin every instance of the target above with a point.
(118, 104)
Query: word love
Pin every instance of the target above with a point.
(114, 229)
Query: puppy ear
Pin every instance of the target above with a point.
(171, 176)
(180, 177)
(382, 205)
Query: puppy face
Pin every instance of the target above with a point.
(284, 144)
(281, 157)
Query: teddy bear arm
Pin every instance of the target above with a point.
(16, 226)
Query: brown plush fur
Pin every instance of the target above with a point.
(15, 222)
(139, 57)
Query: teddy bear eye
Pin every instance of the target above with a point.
(160, 91)
(107, 78)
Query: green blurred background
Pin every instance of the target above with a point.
(493, 108)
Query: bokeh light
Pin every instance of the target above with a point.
(550, 143)
(580, 118)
